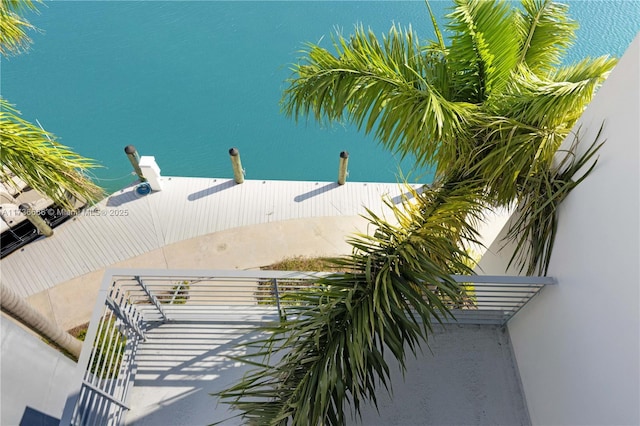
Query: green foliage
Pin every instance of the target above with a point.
(265, 294)
(332, 345)
(33, 154)
(302, 263)
(108, 348)
(179, 294)
(536, 218)
(13, 27)
(388, 88)
(492, 107)
(546, 32)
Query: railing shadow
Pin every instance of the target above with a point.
(302, 197)
(187, 365)
(31, 416)
(211, 190)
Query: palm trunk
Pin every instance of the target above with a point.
(15, 306)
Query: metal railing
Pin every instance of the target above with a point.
(132, 301)
(494, 299)
(107, 360)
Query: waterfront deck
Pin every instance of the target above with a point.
(126, 225)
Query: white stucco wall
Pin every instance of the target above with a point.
(577, 344)
(33, 375)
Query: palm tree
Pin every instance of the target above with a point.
(332, 345)
(493, 105)
(488, 112)
(28, 151)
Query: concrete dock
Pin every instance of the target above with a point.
(195, 223)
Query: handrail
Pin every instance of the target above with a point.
(151, 297)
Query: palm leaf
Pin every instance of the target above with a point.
(381, 86)
(13, 27)
(33, 154)
(536, 225)
(547, 32)
(533, 117)
(484, 47)
(547, 103)
(588, 69)
(436, 28)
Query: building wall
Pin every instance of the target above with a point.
(577, 343)
(36, 378)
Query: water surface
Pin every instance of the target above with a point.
(186, 80)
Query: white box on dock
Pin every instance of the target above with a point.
(151, 172)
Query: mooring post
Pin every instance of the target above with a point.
(238, 173)
(342, 169)
(35, 218)
(131, 152)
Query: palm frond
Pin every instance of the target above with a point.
(547, 32)
(436, 28)
(588, 69)
(383, 88)
(508, 153)
(13, 27)
(546, 103)
(484, 47)
(33, 155)
(536, 212)
(532, 118)
(331, 351)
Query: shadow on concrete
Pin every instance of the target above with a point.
(467, 375)
(211, 190)
(33, 417)
(317, 191)
(180, 366)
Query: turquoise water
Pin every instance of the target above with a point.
(185, 81)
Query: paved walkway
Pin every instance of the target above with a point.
(71, 303)
(126, 225)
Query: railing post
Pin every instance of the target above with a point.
(35, 218)
(131, 152)
(176, 292)
(152, 298)
(120, 314)
(342, 168)
(238, 173)
(276, 292)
